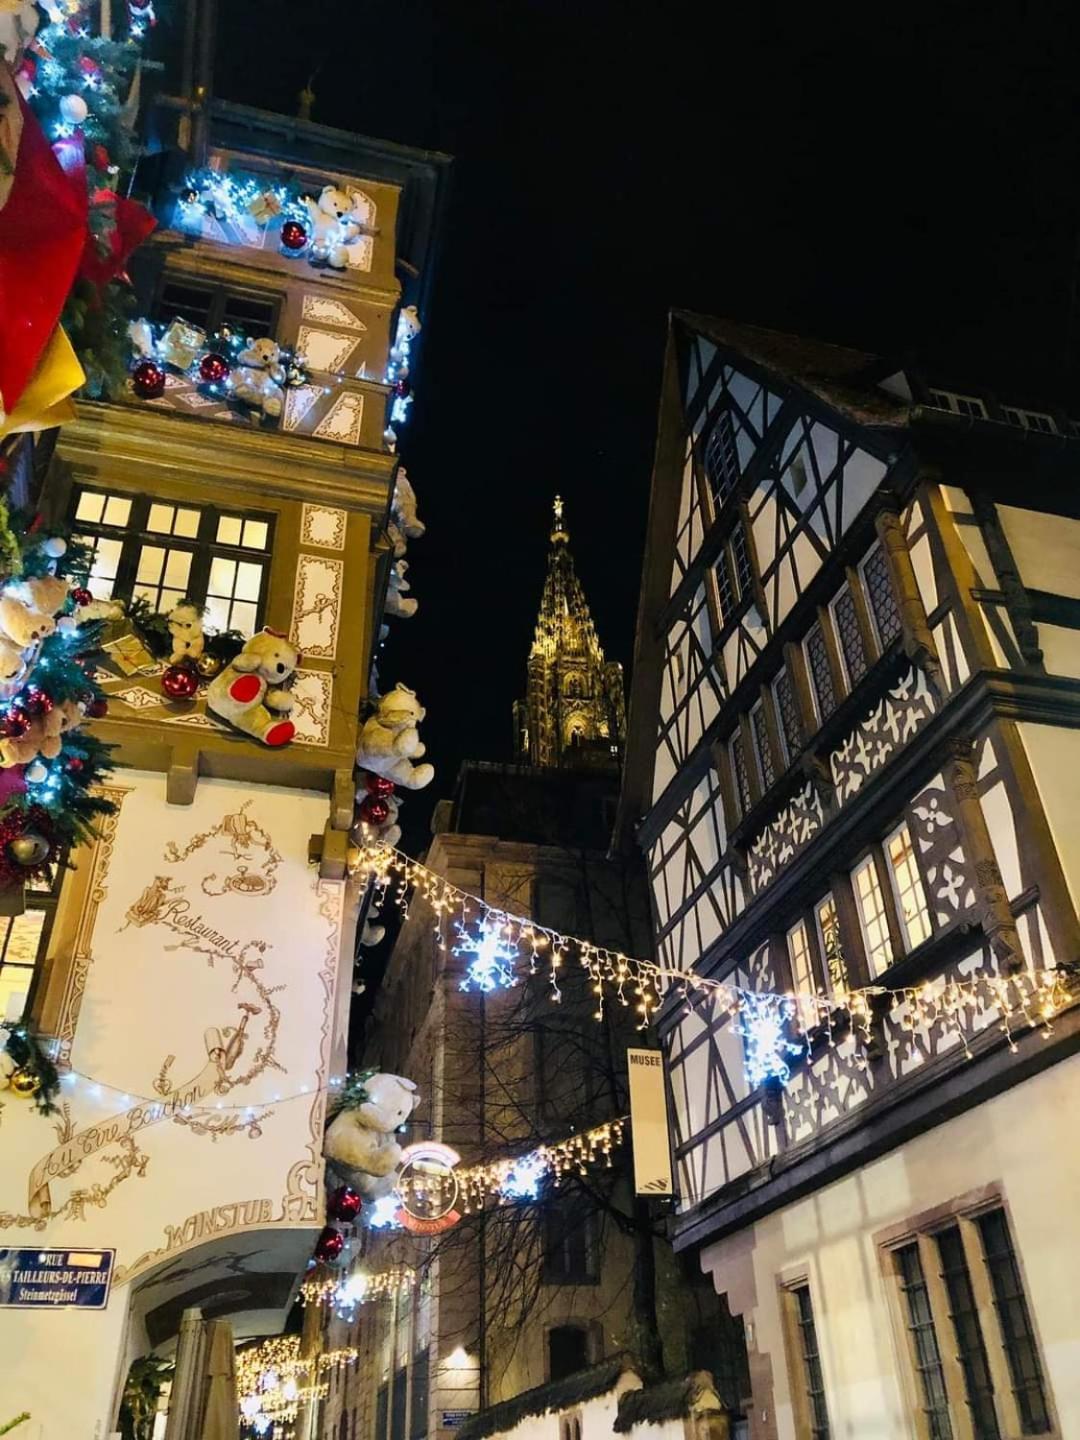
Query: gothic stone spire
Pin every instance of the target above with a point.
(574, 713)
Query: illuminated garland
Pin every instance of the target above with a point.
(273, 1380)
(358, 1288)
(776, 1028)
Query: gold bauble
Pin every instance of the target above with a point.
(29, 848)
(25, 1083)
(208, 666)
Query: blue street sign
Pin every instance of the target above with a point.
(41, 1279)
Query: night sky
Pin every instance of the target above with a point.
(908, 187)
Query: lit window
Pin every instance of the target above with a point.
(101, 509)
(802, 965)
(907, 882)
(828, 931)
(873, 916)
(162, 576)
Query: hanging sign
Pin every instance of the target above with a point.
(427, 1188)
(55, 1279)
(649, 1123)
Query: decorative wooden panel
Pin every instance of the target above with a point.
(897, 716)
(317, 605)
(323, 527)
(781, 839)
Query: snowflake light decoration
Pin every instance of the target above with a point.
(382, 1214)
(764, 1022)
(494, 955)
(523, 1177)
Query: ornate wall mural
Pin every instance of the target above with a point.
(216, 907)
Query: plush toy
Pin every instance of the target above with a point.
(18, 26)
(27, 608)
(13, 665)
(404, 507)
(408, 325)
(389, 740)
(372, 934)
(186, 629)
(43, 736)
(259, 377)
(100, 610)
(360, 1141)
(397, 602)
(248, 693)
(331, 226)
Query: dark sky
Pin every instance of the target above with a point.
(908, 185)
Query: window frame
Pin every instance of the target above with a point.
(580, 1219)
(958, 404)
(43, 898)
(1023, 418)
(800, 1375)
(135, 536)
(220, 295)
(881, 643)
(872, 859)
(913, 850)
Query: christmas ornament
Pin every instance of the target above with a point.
(82, 596)
(74, 765)
(293, 235)
(29, 849)
(329, 1244)
(97, 709)
(100, 158)
(16, 723)
(74, 109)
(402, 387)
(213, 368)
(148, 380)
(36, 772)
(344, 1204)
(378, 784)
(25, 1083)
(90, 70)
(374, 810)
(180, 682)
(37, 702)
(208, 665)
(55, 547)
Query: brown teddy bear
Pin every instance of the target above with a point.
(44, 736)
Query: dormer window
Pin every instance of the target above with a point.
(959, 404)
(1030, 419)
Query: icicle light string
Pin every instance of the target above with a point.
(507, 948)
(273, 1379)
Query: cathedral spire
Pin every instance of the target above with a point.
(574, 712)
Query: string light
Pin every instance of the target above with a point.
(492, 965)
(776, 1026)
(273, 1379)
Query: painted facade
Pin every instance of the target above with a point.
(191, 972)
(851, 741)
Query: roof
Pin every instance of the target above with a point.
(556, 1395)
(845, 378)
(672, 1400)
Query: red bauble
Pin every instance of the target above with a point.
(378, 784)
(74, 765)
(148, 380)
(16, 723)
(213, 369)
(293, 235)
(329, 1245)
(402, 387)
(97, 709)
(37, 702)
(344, 1204)
(100, 156)
(180, 682)
(81, 596)
(374, 810)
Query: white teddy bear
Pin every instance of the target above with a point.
(259, 377)
(360, 1141)
(331, 226)
(186, 628)
(390, 741)
(397, 602)
(404, 507)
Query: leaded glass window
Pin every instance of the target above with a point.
(817, 659)
(879, 591)
(924, 1343)
(787, 714)
(850, 636)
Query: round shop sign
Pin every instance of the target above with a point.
(427, 1188)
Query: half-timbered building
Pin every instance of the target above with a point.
(854, 765)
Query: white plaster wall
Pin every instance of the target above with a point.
(1044, 547)
(1054, 756)
(164, 983)
(597, 1419)
(1021, 1140)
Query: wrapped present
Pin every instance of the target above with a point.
(125, 651)
(264, 207)
(182, 344)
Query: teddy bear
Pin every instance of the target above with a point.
(389, 740)
(248, 693)
(27, 608)
(359, 1140)
(18, 26)
(43, 735)
(331, 226)
(186, 628)
(259, 377)
(397, 602)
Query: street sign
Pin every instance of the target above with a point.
(649, 1123)
(453, 1419)
(55, 1279)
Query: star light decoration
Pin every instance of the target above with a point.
(766, 1024)
(494, 954)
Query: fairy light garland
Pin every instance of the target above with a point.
(273, 1380)
(776, 1027)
